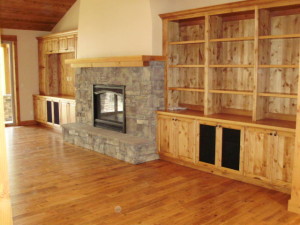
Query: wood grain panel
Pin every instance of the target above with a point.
(66, 75)
(33, 15)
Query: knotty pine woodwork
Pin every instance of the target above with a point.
(242, 61)
(84, 187)
(119, 61)
(265, 155)
(57, 77)
(33, 15)
(66, 107)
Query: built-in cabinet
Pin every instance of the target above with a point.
(177, 138)
(56, 79)
(269, 155)
(243, 152)
(232, 72)
(54, 111)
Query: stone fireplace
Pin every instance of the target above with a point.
(144, 95)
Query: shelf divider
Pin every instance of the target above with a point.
(185, 89)
(232, 39)
(277, 95)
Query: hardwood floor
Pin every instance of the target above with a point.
(54, 183)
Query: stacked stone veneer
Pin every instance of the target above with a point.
(144, 94)
(8, 113)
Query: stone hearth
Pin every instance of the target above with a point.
(144, 95)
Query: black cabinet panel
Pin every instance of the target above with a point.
(56, 112)
(231, 148)
(207, 144)
(49, 111)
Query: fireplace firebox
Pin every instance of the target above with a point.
(109, 107)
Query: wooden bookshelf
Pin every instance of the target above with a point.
(236, 66)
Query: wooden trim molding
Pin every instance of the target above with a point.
(28, 123)
(71, 32)
(5, 206)
(121, 61)
(14, 39)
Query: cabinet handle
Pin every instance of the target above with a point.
(275, 133)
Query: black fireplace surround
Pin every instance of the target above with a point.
(109, 107)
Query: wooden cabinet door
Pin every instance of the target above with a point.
(230, 143)
(259, 146)
(71, 44)
(63, 44)
(166, 136)
(55, 45)
(185, 139)
(39, 110)
(283, 158)
(64, 112)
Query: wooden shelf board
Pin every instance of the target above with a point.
(278, 95)
(278, 66)
(232, 39)
(279, 36)
(56, 97)
(185, 89)
(231, 66)
(186, 66)
(186, 42)
(122, 61)
(234, 119)
(235, 92)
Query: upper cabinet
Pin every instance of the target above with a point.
(55, 77)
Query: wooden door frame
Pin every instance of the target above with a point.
(14, 40)
(5, 204)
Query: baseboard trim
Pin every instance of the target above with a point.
(28, 123)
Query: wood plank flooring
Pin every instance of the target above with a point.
(54, 183)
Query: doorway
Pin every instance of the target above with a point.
(9, 81)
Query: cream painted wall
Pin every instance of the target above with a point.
(70, 20)
(114, 28)
(118, 27)
(28, 68)
(166, 6)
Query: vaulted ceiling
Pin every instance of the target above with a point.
(32, 14)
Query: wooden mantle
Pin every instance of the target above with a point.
(120, 61)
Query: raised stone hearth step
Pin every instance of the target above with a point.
(124, 147)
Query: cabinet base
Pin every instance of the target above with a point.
(238, 177)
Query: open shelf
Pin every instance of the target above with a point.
(186, 42)
(188, 54)
(279, 36)
(231, 66)
(278, 66)
(232, 25)
(186, 66)
(232, 39)
(278, 95)
(234, 92)
(191, 29)
(232, 53)
(185, 89)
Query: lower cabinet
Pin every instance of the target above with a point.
(269, 155)
(221, 146)
(54, 111)
(255, 155)
(67, 112)
(40, 110)
(177, 138)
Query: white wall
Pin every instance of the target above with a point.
(124, 27)
(114, 28)
(27, 68)
(70, 20)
